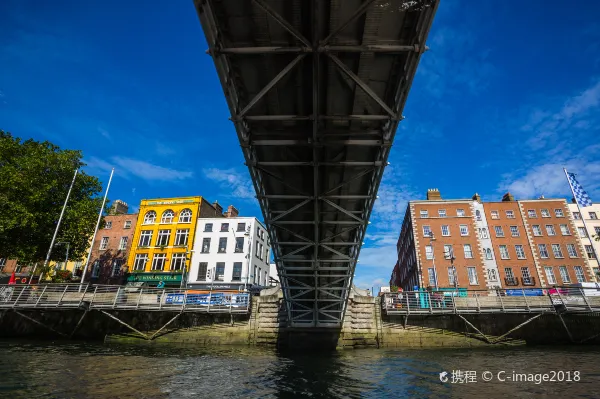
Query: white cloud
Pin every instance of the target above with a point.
(237, 184)
(129, 167)
(105, 134)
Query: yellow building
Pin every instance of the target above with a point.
(164, 234)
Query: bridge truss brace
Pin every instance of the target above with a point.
(125, 324)
(40, 324)
(498, 339)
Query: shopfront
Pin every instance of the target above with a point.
(166, 280)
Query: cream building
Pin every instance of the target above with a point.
(591, 215)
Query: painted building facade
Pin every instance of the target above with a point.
(591, 247)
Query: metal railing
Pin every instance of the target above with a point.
(520, 300)
(64, 296)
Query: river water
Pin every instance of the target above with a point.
(31, 369)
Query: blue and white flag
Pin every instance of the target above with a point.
(582, 198)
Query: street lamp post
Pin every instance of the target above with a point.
(435, 275)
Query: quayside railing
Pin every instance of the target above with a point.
(65, 296)
(526, 300)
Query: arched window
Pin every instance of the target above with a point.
(488, 253)
(167, 216)
(185, 216)
(150, 217)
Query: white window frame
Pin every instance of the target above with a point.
(116, 267)
(185, 216)
(177, 261)
(564, 274)
(572, 250)
(531, 213)
(510, 214)
(127, 224)
(452, 277)
(545, 213)
(96, 269)
(426, 229)
(103, 243)
(160, 237)
(145, 234)
(108, 224)
(579, 274)
(167, 217)
(179, 234)
(428, 251)
(431, 277)
(499, 231)
(514, 231)
(460, 212)
(543, 250)
(489, 254)
(468, 251)
(557, 250)
(140, 258)
(589, 253)
(424, 214)
(464, 230)
(559, 213)
(445, 233)
(492, 275)
(520, 250)
(564, 229)
(150, 217)
(448, 249)
(123, 243)
(483, 233)
(494, 215)
(580, 230)
(550, 275)
(537, 230)
(156, 260)
(503, 254)
(472, 273)
(550, 231)
(442, 213)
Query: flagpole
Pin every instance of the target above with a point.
(587, 232)
(55, 232)
(96, 230)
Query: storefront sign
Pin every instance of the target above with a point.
(154, 277)
(215, 287)
(170, 202)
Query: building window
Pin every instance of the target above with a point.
(254, 276)
(556, 251)
(96, 269)
(464, 230)
(579, 275)
(572, 250)
(445, 230)
(452, 276)
(140, 261)
(426, 231)
(185, 216)
(208, 227)
(558, 213)
(576, 215)
(520, 251)
(442, 213)
(537, 230)
(472, 275)
(504, 252)
(237, 271)
(424, 214)
(267, 255)
(460, 212)
(104, 243)
(483, 233)
(531, 213)
(181, 237)
(488, 254)
(260, 252)
(589, 250)
(478, 215)
(123, 243)
(550, 230)
(222, 245)
(241, 227)
(108, 225)
(258, 231)
(239, 244)
(127, 224)
(582, 232)
(224, 227)
(202, 269)
(514, 231)
(448, 253)
(596, 271)
(116, 269)
(564, 230)
(510, 215)
(499, 231)
(150, 217)
(597, 230)
(550, 275)
(543, 251)
(545, 213)
(167, 216)
(178, 262)
(526, 276)
(431, 273)
(158, 261)
(564, 274)
(428, 252)
(205, 245)
(492, 275)
(495, 215)
(468, 251)
(163, 238)
(593, 216)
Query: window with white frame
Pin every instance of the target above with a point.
(145, 238)
(510, 214)
(429, 252)
(222, 245)
(139, 264)
(483, 233)
(426, 231)
(158, 261)
(494, 215)
(537, 230)
(96, 269)
(520, 251)
(545, 213)
(550, 230)
(488, 254)
(163, 238)
(514, 231)
(123, 243)
(550, 275)
(593, 216)
(589, 250)
(202, 271)
(478, 215)
(582, 232)
(572, 250)
(499, 231)
(531, 213)
(431, 274)
(185, 216)
(526, 276)
(452, 278)
(468, 251)
(150, 217)
(597, 230)
(504, 252)
(448, 253)
(579, 274)
(460, 212)
(464, 230)
(167, 216)
(127, 224)
(442, 213)
(424, 214)
(116, 267)
(564, 230)
(108, 224)
(445, 230)
(558, 213)
(178, 262)
(181, 237)
(104, 243)
(576, 215)
(543, 251)
(492, 275)
(472, 275)
(596, 271)
(564, 274)
(556, 251)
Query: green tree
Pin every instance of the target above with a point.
(34, 180)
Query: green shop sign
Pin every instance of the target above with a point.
(154, 277)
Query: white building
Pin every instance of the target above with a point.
(273, 275)
(230, 254)
(485, 239)
(591, 215)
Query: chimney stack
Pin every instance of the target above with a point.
(508, 197)
(218, 208)
(232, 212)
(433, 194)
(477, 197)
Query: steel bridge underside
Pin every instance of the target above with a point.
(316, 90)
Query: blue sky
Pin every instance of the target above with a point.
(508, 94)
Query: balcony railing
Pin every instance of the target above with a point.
(511, 281)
